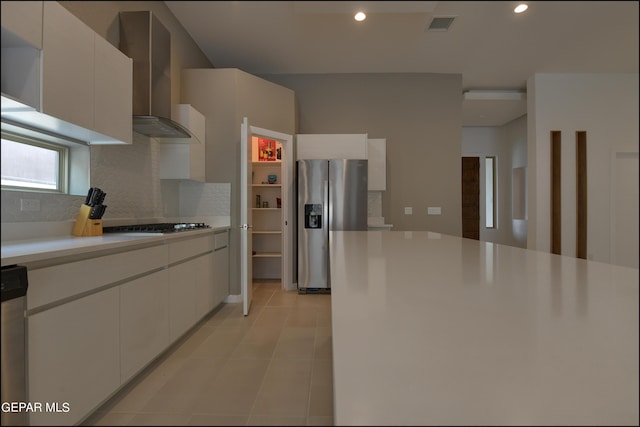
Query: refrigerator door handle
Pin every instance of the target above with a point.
(326, 208)
(328, 218)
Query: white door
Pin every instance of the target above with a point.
(246, 274)
(246, 248)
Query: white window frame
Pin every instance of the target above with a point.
(491, 197)
(62, 166)
(74, 160)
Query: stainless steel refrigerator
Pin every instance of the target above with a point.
(332, 195)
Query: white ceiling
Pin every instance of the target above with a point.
(490, 46)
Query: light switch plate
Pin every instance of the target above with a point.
(434, 210)
(408, 211)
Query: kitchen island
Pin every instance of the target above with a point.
(432, 329)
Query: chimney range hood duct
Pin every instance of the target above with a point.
(145, 40)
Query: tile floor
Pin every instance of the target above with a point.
(272, 367)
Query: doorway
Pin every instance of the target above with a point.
(471, 197)
(624, 209)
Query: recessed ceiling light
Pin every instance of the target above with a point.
(360, 16)
(521, 8)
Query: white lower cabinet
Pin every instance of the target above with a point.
(190, 283)
(93, 324)
(73, 357)
(221, 266)
(144, 322)
(205, 287)
(182, 298)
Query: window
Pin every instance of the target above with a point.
(38, 161)
(490, 193)
(32, 164)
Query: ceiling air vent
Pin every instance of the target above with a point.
(440, 23)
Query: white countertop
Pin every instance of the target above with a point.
(379, 226)
(431, 329)
(32, 250)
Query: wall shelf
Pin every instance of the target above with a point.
(268, 255)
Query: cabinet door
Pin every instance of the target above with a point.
(73, 356)
(221, 266)
(113, 85)
(182, 298)
(331, 146)
(144, 321)
(377, 164)
(67, 66)
(24, 18)
(205, 292)
(221, 274)
(180, 160)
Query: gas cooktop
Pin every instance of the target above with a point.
(163, 227)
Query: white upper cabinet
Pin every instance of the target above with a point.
(377, 165)
(184, 160)
(331, 146)
(113, 89)
(68, 66)
(64, 78)
(21, 47)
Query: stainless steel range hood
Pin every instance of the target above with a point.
(144, 39)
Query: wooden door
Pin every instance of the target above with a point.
(471, 197)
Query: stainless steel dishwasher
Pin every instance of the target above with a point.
(13, 355)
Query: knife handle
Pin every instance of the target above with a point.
(87, 200)
(95, 197)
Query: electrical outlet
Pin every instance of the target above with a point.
(29, 205)
(434, 210)
(408, 211)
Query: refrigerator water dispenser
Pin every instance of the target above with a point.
(312, 216)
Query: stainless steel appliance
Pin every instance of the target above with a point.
(332, 195)
(148, 42)
(156, 228)
(13, 386)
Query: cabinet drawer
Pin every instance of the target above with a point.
(189, 248)
(221, 240)
(74, 357)
(50, 284)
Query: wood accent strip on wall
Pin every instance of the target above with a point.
(581, 194)
(471, 197)
(556, 196)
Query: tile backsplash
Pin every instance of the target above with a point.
(374, 204)
(129, 174)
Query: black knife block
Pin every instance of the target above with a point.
(85, 226)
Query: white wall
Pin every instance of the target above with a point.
(420, 115)
(606, 107)
(508, 144)
(516, 134)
